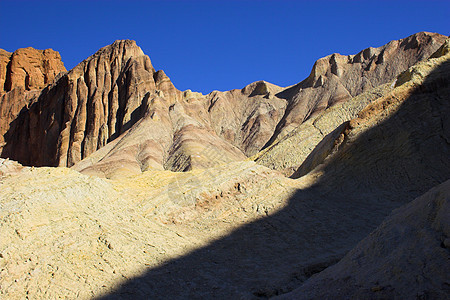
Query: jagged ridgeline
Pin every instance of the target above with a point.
(116, 98)
(255, 192)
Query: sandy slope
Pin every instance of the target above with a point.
(406, 257)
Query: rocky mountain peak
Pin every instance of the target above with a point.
(92, 104)
(108, 93)
(416, 46)
(120, 48)
(443, 50)
(337, 78)
(262, 88)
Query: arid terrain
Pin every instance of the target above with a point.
(114, 184)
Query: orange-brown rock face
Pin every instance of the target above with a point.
(22, 74)
(28, 68)
(91, 104)
(101, 100)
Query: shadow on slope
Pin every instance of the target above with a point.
(384, 167)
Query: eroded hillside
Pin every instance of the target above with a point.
(97, 104)
(128, 226)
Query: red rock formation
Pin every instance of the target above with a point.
(94, 102)
(99, 100)
(22, 74)
(28, 68)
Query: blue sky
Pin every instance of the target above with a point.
(219, 45)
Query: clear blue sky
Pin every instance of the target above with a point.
(208, 45)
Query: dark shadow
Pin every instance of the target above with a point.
(13, 137)
(7, 86)
(32, 137)
(383, 168)
(123, 83)
(137, 114)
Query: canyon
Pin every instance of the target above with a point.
(115, 184)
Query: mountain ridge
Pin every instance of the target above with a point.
(174, 197)
(106, 94)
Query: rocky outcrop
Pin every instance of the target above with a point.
(409, 122)
(289, 152)
(247, 117)
(22, 75)
(9, 167)
(5, 58)
(28, 68)
(86, 108)
(11, 104)
(193, 131)
(165, 138)
(99, 101)
(365, 76)
(337, 78)
(250, 118)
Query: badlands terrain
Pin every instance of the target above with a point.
(114, 184)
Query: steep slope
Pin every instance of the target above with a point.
(165, 138)
(407, 257)
(336, 78)
(289, 152)
(83, 109)
(198, 131)
(101, 99)
(417, 111)
(258, 115)
(22, 74)
(246, 118)
(313, 111)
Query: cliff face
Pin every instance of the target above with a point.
(248, 118)
(28, 68)
(102, 98)
(337, 89)
(23, 74)
(87, 107)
